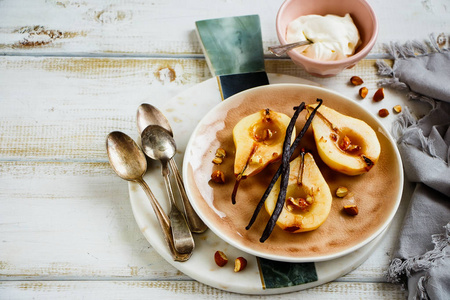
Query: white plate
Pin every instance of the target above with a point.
(184, 113)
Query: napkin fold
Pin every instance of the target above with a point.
(421, 260)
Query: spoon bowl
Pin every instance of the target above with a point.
(147, 114)
(125, 157)
(158, 143)
(128, 161)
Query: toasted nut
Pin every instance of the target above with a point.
(354, 148)
(345, 143)
(341, 191)
(239, 264)
(217, 160)
(220, 152)
(383, 112)
(220, 258)
(351, 210)
(218, 176)
(363, 92)
(267, 134)
(379, 95)
(355, 80)
(397, 109)
(309, 199)
(298, 203)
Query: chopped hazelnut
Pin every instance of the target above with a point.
(363, 92)
(220, 152)
(354, 148)
(345, 143)
(355, 80)
(239, 264)
(341, 191)
(217, 160)
(383, 112)
(298, 203)
(218, 176)
(267, 134)
(397, 109)
(220, 258)
(309, 199)
(379, 95)
(351, 210)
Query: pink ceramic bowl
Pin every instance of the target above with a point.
(362, 14)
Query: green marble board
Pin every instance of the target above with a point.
(234, 52)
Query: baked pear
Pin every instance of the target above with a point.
(308, 197)
(258, 139)
(345, 144)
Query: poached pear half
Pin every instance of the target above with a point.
(258, 139)
(308, 197)
(345, 144)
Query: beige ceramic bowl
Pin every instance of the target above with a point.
(361, 13)
(376, 193)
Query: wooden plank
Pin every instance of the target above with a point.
(52, 105)
(182, 290)
(62, 27)
(63, 108)
(71, 220)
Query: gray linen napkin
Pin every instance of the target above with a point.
(422, 258)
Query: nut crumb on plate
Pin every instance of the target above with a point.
(379, 95)
(363, 92)
(239, 264)
(355, 80)
(218, 176)
(383, 112)
(351, 210)
(220, 258)
(341, 191)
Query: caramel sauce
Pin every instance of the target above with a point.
(267, 133)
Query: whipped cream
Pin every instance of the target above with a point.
(333, 37)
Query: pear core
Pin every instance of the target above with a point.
(258, 139)
(345, 144)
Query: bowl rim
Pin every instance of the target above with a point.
(249, 250)
(345, 61)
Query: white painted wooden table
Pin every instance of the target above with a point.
(71, 72)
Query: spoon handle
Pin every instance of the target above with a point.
(164, 223)
(282, 49)
(182, 236)
(195, 223)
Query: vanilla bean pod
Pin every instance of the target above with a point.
(287, 140)
(284, 180)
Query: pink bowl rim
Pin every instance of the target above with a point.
(345, 61)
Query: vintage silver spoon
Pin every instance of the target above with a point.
(128, 161)
(147, 115)
(158, 144)
(282, 49)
